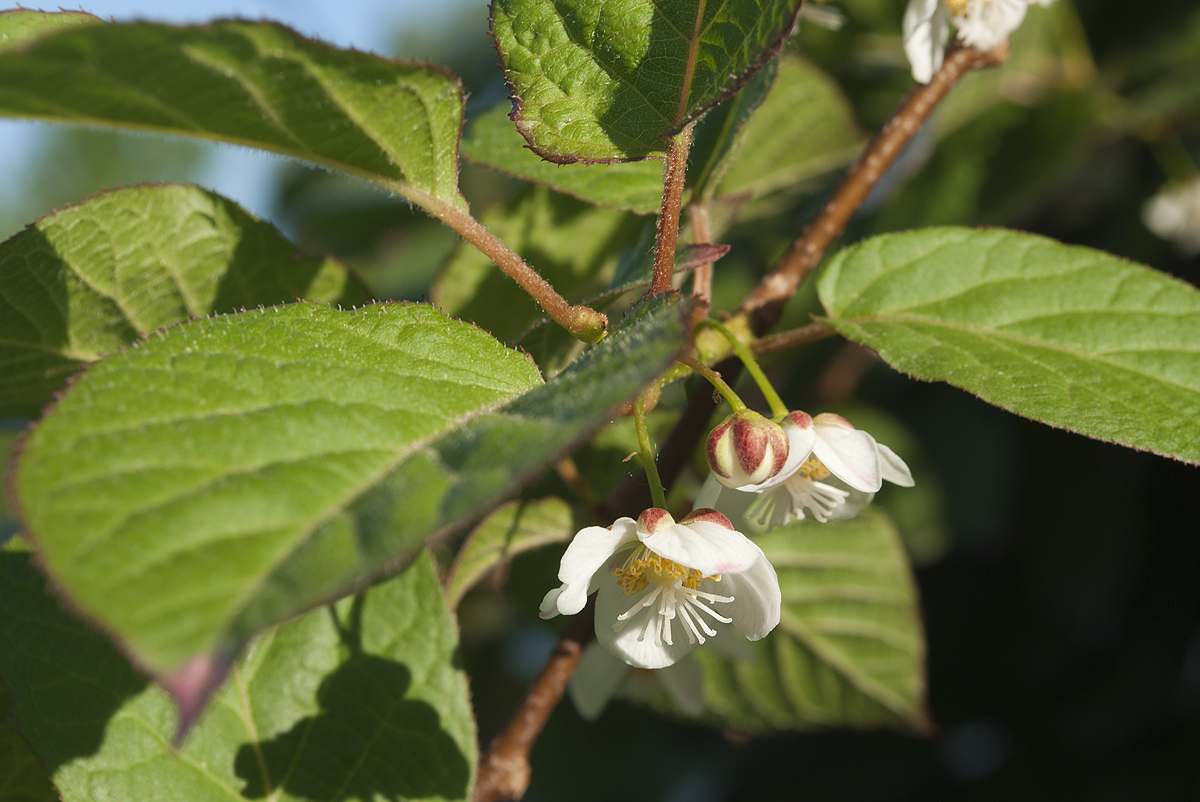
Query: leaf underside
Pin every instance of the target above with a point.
(356, 701)
(92, 278)
(605, 82)
(1069, 336)
(257, 84)
(232, 472)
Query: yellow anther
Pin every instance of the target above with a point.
(644, 566)
(814, 469)
(958, 7)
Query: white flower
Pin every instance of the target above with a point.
(981, 24)
(832, 472)
(1174, 214)
(650, 572)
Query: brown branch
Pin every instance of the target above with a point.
(784, 340)
(674, 171)
(583, 322)
(504, 770)
(765, 302)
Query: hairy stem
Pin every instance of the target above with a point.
(583, 322)
(674, 171)
(765, 302)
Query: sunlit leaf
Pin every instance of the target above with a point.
(1069, 336)
(362, 697)
(90, 279)
(612, 81)
(231, 472)
(249, 83)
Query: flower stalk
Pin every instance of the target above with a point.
(778, 408)
(657, 494)
(714, 378)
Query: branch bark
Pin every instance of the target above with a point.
(764, 304)
(504, 771)
(674, 172)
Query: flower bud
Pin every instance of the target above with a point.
(654, 520)
(746, 449)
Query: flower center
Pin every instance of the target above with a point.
(959, 8)
(644, 566)
(813, 469)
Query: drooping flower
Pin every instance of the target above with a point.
(1174, 214)
(981, 24)
(653, 573)
(832, 472)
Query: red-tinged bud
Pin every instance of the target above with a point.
(709, 515)
(801, 419)
(746, 449)
(654, 520)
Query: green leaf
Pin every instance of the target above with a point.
(572, 244)
(22, 778)
(250, 83)
(719, 134)
(492, 141)
(18, 26)
(803, 129)
(361, 697)
(612, 81)
(514, 528)
(90, 279)
(1073, 337)
(298, 452)
(849, 650)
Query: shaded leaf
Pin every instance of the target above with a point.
(612, 81)
(1073, 337)
(719, 134)
(250, 83)
(849, 650)
(231, 472)
(492, 141)
(22, 778)
(803, 129)
(513, 528)
(361, 697)
(89, 279)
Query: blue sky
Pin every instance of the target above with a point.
(235, 172)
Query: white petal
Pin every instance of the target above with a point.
(646, 653)
(926, 29)
(549, 606)
(588, 552)
(987, 24)
(893, 468)
(756, 599)
(684, 683)
(707, 547)
(595, 681)
(850, 454)
(855, 503)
